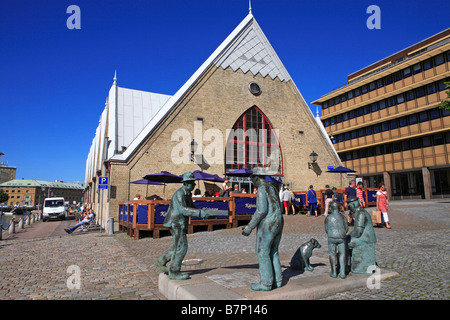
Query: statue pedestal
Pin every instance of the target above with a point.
(234, 283)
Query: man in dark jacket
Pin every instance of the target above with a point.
(180, 209)
(268, 219)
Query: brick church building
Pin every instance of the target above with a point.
(241, 108)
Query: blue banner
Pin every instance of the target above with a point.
(212, 205)
(160, 213)
(300, 197)
(142, 214)
(372, 195)
(245, 205)
(130, 215)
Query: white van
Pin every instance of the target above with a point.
(54, 208)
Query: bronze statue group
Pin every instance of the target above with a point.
(355, 251)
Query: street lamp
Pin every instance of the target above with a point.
(313, 156)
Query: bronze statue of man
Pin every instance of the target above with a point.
(362, 239)
(268, 220)
(177, 218)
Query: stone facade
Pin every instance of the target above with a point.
(220, 97)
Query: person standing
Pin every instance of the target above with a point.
(350, 192)
(286, 197)
(292, 201)
(359, 194)
(383, 204)
(329, 198)
(312, 201)
(226, 187)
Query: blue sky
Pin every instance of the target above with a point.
(54, 81)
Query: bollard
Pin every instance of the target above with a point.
(12, 226)
(21, 225)
(33, 220)
(111, 226)
(27, 222)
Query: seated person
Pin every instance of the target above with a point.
(87, 219)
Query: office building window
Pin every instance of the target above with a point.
(406, 72)
(403, 122)
(410, 95)
(420, 92)
(412, 119)
(423, 116)
(388, 80)
(431, 88)
(434, 114)
(439, 59)
(428, 64)
(417, 68)
(364, 89)
(394, 124)
(380, 83)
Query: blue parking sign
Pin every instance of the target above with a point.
(103, 182)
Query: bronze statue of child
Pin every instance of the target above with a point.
(336, 228)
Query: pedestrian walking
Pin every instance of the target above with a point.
(383, 204)
(349, 192)
(312, 201)
(286, 197)
(292, 201)
(359, 194)
(329, 198)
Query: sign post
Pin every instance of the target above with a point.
(102, 185)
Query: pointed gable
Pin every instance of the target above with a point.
(251, 51)
(246, 48)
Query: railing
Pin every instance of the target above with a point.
(148, 215)
(137, 215)
(25, 220)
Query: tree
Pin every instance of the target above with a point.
(4, 197)
(445, 104)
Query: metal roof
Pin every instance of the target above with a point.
(41, 183)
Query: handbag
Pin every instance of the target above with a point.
(376, 217)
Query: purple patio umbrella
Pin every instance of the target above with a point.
(147, 182)
(340, 170)
(164, 177)
(244, 172)
(200, 175)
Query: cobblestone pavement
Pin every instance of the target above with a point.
(118, 267)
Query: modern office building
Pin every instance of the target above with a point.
(385, 123)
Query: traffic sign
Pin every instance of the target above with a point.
(103, 182)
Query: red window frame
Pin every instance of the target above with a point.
(252, 118)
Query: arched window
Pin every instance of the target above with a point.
(253, 143)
